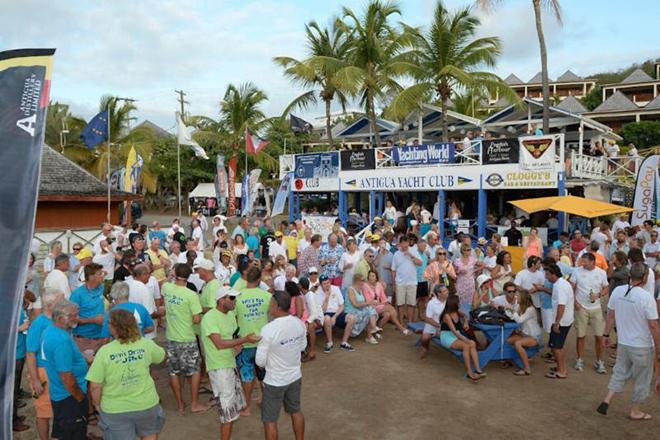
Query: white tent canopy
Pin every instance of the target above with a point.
(208, 190)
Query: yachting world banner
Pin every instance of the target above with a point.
(221, 183)
(424, 154)
(646, 195)
(25, 76)
(537, 153)
(231, 188)
(282, 193)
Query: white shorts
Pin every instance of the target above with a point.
(428, 328)
(228, 391)
(406, 295)
(546, 320)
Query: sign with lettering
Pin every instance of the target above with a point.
(411, 179)
(424, 154)
(499, 151)
(358, 159)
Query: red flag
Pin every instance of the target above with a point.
(253, 143)
(231, 186)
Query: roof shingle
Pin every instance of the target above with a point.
(637, 76)
(569, 76)
(571, 104)
(616, 103)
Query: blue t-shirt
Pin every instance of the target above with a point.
(20, 339)
(252, 243)
(546, 298)
(62, 355)
(139, 311)
(421, 268)
(34, 337)
(159, 234)
(90, 303)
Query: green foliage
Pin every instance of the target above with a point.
(617, 76)
(593, 99)
(643, 134)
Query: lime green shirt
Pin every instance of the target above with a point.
(123, 370)
(252, 312)
(208, 293)
(223, 324)
(240, 285)
(181, 304)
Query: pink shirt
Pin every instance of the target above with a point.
(293, 311)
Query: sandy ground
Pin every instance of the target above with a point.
(387, 392)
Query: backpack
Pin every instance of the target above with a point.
(489, 315)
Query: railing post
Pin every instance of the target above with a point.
(372, 205)
(442, 206)
(481, 214)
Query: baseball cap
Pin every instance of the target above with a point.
(482, 240)
(377, 218)
(225, 291)
(313, 269)
(278, 234)
(203, 263)
(227, 253)
(375, 237)
(323, 278)
(84, 253)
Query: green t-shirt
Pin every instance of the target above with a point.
(208, 293)
(123, 370)
(252, 312)
(181, 304)
(234, 278)
(240, 285)
(214, 321)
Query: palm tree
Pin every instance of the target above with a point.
(326, 48)
(555, 8)
(377, 56)
(448, 61)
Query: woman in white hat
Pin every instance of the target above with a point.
(484, 293)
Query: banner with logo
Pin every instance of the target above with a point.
(282, 195)
(231, 186)
(287, 164)
(510, 176)
(25, 77)
(221, 183)
(249, 190)
(316, 172)
(117, 179)
(499, 151)
(537, 153)
(424, 154)
(352, 160)
(645, 191)
(320, 224)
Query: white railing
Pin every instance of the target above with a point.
(592, 167)
(467, 156)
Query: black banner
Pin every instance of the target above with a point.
(24, 89)
(498, 151)
(357, 160)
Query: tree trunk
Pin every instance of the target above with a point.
(328, 124)
(445, 119)
(544, 66)
(372, 117)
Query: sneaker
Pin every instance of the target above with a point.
(405, 332)
(372, 340)
(328, 347)
(600, 367)
(378, 329)
(579, 364)
(346, 346)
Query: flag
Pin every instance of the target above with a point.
(184, 136)
(253, 143)
(134, 165)
(249, 190)
(25, 78)
(221, 183)
(231, 186)
(282, 193)
(299, 125)
(96, 131)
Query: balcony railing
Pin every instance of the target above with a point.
(617, 169)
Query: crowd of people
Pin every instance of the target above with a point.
(242, 310)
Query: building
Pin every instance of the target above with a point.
(568, 84)
(72, 198)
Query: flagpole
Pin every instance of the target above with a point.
(246, 152)
(109, 208)
(284, 145)
(178, 173)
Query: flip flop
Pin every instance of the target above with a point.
(521, 372)
(602, 408)
(554, 375)
(645, 416)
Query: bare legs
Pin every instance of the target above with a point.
(177, 386)
(327, 328)
(43, 428)
(470, 356)
(247, 390)
(350, 321)
(520, 343)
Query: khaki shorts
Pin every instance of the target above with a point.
(42, 405)
(585, 319)
(406, 295)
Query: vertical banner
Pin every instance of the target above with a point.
(645, 187)
(231, 186)
(249, 191)
(25, 77)
(537, 153)
(282, 193)
(245, 194)
(221, 183)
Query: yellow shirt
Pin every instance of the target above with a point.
(291, 247)
(159, 274)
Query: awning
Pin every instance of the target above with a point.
(570, 204)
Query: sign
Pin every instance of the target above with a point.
(231, 193)
(352, 160)
(463, 226)
(645, 191)
(513, 177)
(500, 151)
(221, 183)
(280, 198)
(537, 153)
(320, 224)
(424, 154)
(412, 179)
(317, 165)
(287, 163)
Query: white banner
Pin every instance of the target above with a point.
(644, 191)
(320, 224)
(280, 198)
(537, 153)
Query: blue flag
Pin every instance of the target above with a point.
(96, 131)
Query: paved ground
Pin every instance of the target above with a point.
(386, 392)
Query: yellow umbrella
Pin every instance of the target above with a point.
(570, 204)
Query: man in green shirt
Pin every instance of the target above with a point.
(218, 328)
(238, 281)
(251, 314)
(206, 271)
(183, 358)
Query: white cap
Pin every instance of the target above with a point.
(203, 263)
(312, 269)
(483, 278)
(225, 291)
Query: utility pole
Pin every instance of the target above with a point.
(182, 104)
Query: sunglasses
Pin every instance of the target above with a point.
(232, 298)
(510, 291)
(441, 253)
(77, 249)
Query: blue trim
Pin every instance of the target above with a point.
(442, 208)
(561, 186)
(482, 210)
(292, 207)
(372, 205)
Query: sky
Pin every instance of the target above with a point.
(146, 49)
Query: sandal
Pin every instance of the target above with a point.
(481, 374)
(645, 416)
(92, 419)
(554, 375)
(474, 379)
(547, 356)
(521, 372)
(506, 364)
